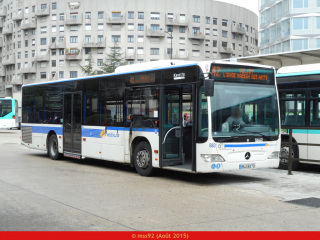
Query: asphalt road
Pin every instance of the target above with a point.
(37, 193)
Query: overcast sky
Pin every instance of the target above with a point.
(250, 4)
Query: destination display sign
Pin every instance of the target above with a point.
(242, 73)
(143, 78)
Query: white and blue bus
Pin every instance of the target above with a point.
(9, 113)
(193, 117)
(299, 93)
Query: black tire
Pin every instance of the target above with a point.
(284, 152)
(142, 159)
(53, 148)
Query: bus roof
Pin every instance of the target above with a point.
(293, 74)
(151, 66)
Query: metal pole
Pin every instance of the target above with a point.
(171, 43)
(290, 150)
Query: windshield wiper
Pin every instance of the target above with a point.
(261, 134)
(226, 139)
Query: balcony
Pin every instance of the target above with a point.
(18, 16)
(29, 69)
(155, 33)
(180, 55)
(248, 53)
(74, 19)
(3, 11)
(73, 56)
(116, 20)
(226, 50)
(176, 21)
(2, 71)
(130, 55)
(42, 58)
(43, 12)
(94, 43)
(196, 35)
(10, 61)
(238, 29)
(7, 30)
(17, 80)
(29, 25)
(57, 44)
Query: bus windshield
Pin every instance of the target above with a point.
(239, 110)
(5, 107)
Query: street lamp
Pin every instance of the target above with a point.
(170, 34)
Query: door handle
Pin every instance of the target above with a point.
(168, 133)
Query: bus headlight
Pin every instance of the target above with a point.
(274, 155)
(211, 158)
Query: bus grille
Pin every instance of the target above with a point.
(27, 134)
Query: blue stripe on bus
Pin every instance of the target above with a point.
(305, 131)
(110, 75)
(45, 129)
(95, 133)
(245, 145)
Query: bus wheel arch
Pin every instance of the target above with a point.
(141, 149)
(285, 152)
(52, 140)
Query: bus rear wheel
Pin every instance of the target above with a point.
(53, 148)
(143, 159)
(284, 153)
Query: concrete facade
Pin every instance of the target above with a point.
(289, 25)
(44, 40)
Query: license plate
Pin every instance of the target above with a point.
(247, 166)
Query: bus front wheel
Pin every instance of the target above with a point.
(284, 153)
(53, 148)
(143, 159)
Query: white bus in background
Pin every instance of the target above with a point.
(299, 94)
(186, 116)
(9, 117)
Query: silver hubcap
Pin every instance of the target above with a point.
(284, 153)
(54, 147)
(143, 158)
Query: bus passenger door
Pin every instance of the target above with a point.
(72, 119)
(171, 125)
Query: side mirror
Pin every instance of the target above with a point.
(209, 86)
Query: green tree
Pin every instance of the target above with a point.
(87, 69)
(113, 60)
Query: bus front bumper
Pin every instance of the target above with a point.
(227, 166)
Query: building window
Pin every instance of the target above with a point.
(116, 38)
(246, 38)
(140, 15)
(87, 50)
(140, 27)
(225, 34)
(61, 51)
(73, 74)
(43, 75)
(100, 26)
(215, 32)
(300, 3)
(182, 40)
(26, 43)
(299, 44)
(224, 23)
(195, 53)
(87, 38)
(140, 39)
(207, 20)
(155, 27)
(130, 15)
(169, 40)
(61, 74)
(88, 27)
(19, 55)
(233, 36)
(54, 28)
(214, 21)
(207, 31)
(130, 38)
(300, 23)
(73, 28)
(214, 54)
(61, 28)
(61, 63)
(19, 44)
(33, 8)
(73, 39)
(54, 5)
(130, 26)
(240, 47)
(100, 50)
(100, 62)
(155, 16)
(43, 41)
(53, 63)
(140, 51)
(196, 18)
(43, 29)
(100, 38)
(214, 43)
(88, 15)
(170, 28)
(182, 29)
(100, 15)
(61, 16)
(53, 52)
(154, 51)
(224, 44)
